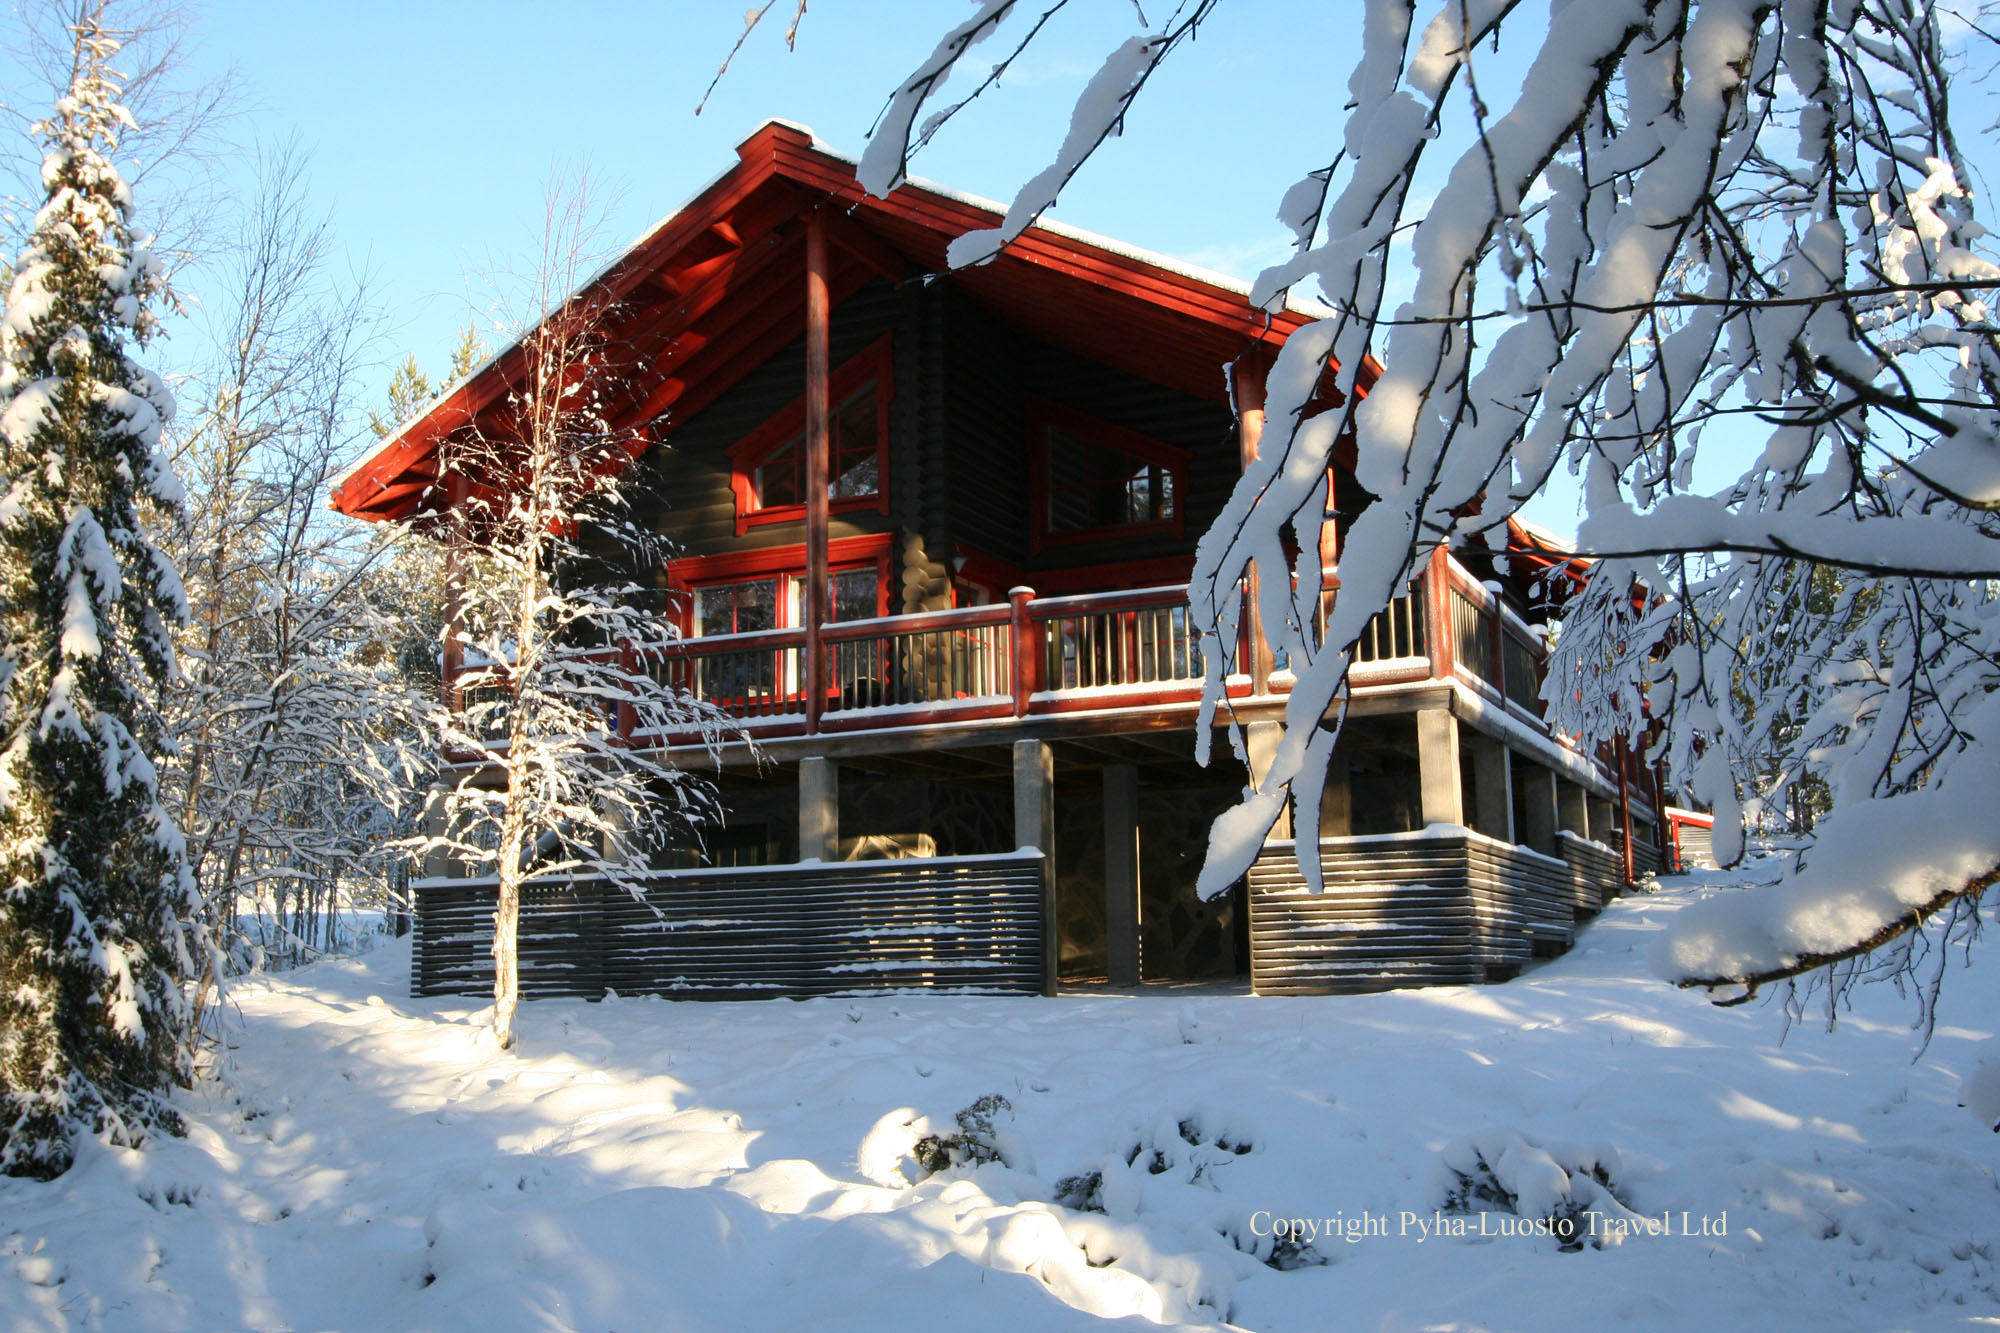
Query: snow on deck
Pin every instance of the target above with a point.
(643, 1164)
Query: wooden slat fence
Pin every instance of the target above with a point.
(1451, 909)
(970, 923)
(1599, 871)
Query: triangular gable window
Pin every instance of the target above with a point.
(768, 466)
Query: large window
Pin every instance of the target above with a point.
(777, 601)
(768, 466)
(1095, 480)
(749, 592)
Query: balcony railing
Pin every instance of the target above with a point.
(1054, 654)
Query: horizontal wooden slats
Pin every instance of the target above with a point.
(1600, 870)
(1444, 910)
(972, 923)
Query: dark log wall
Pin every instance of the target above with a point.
(685, 479)
(1406, 912)
(990, 372)
(970, 924)
(981, 429)
(1204, 430)
(958, 462)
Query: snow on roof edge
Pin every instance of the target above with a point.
(1548, 537)
(1195, 272)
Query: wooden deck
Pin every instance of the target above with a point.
(1122, 659)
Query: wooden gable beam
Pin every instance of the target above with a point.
(757, 333)
(866, 246)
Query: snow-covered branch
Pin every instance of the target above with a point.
(1669, 242)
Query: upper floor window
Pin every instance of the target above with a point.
(768, 466)
(1094, 479)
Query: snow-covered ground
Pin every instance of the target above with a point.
(651, 1165)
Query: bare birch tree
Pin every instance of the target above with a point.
(298, 718)
(557, 637)
(1716, 257)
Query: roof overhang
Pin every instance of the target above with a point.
(713, 290)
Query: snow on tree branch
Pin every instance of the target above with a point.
(1715, 257)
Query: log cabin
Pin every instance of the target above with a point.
(934, 531)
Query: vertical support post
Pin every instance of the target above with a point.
(456, 488)
(818, 410)
(435, 823)
(819, 810)
(1247, 382)
(628, 665)
(1123, 912)
(1329, 534)
(1496, 650)
(1492, 786)
(1027, 648)
(1260, 748)
(1336, 807)
(1573, 808)
(1539, 806)
(1437, 766)
(1035, 827)
(1437, 606)
(1625, 809)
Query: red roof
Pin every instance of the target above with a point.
(716, 289)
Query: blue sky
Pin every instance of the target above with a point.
(434, 129)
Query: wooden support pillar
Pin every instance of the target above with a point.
(1573, 808)
(435, 823)
(1123, 913)
(1336, 806)
(818, 468)
(1329, 533)
(1492, 810)
(1625, 809)
(1537, 786)
(819, 810)
(1027, 649)
(1437, 766)
(453, 659)
(1437, 610)
(1035, 828)
(1247, 374)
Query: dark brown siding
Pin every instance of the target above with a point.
(981, 436)
(685, 482)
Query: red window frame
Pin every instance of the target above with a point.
(874, 362)
(686, 577)
(1044, 416)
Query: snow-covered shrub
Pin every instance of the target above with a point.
(1191, 1144)
(1559, 1185)
(977, 1142)
(904, 1148)
(1082, 1192)
(1979, 1091)
(1278, 1246)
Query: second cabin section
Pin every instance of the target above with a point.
(934, 531)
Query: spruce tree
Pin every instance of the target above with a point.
(93, 880)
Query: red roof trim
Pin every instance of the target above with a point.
(719, 221)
